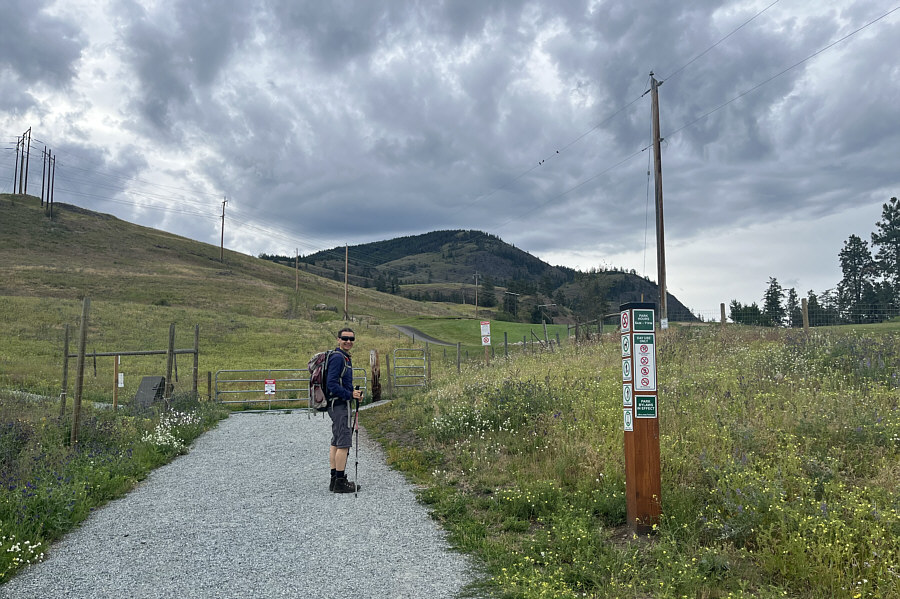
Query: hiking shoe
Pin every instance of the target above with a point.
(331, 484)
(342, 485)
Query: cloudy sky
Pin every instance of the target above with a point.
(325, 123)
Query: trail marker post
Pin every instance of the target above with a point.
(640, 415)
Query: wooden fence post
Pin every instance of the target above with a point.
(722, 311)
(170, 359)
(65, 377)
(805, 307)
(390, 384)
(458, 356)
(79, 372)
(196, 360)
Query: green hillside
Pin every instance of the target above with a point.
(82, 253)
(441, 266)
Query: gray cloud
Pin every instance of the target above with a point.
(332, 123)
(36, 46)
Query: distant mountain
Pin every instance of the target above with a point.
(442, 266)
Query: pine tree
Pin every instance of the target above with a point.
(794, 311)
(773, 309)
(858, 268)
(887, 240)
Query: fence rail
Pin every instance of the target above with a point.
(250, 389)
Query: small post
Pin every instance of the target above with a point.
(458, 356)
(170, 360)
(196, 360)
(209, 384)
(804, 303)
(115, 383)
(505, 345)
(79, 370)
(722, 313)
(65, 377)
(390, 385)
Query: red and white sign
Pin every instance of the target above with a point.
(625, 322)
(486, 340)
(270, 387)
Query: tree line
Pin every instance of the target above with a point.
(869, 290)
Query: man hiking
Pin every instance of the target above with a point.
(339, 386)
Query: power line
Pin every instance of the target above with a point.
(742, 25)
(779, 74)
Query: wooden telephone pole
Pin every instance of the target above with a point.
(346, 282)
(222, 243)
(660, 226)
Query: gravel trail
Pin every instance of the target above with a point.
(247, 513)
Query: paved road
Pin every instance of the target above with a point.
(247, 514)
(417, 334)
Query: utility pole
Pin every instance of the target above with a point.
(52, 177)
(515, 302)
(297, 270)
(27, 158)
(544, 320)
(222, 243)
(346, 282)
(660, 227)
(476, 296)
(43, 172)
(16, 169)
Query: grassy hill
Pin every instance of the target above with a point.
(440, 266)
(82, 253)
(141, 280)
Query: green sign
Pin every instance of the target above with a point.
(645, 406)
(643, 320)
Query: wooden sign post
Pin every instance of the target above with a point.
(641, 415)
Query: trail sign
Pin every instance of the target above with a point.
(269, 386)
(641, 416)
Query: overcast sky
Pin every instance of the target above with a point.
(325, 123)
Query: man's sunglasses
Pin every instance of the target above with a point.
(343, 338)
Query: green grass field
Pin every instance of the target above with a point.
(780, 449)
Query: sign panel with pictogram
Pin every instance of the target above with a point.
(645, 361)
(625, 322)
(269, 386)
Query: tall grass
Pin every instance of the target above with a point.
(47, 486)
(779, 462)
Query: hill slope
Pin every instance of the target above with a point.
(83, 253)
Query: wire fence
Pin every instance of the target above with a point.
(818, 316)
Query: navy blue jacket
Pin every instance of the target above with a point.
(341, 388)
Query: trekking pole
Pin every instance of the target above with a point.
(356, 466)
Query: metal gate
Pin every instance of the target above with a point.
(273, 385)
(410, 367)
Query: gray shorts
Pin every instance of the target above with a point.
(341, 435)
